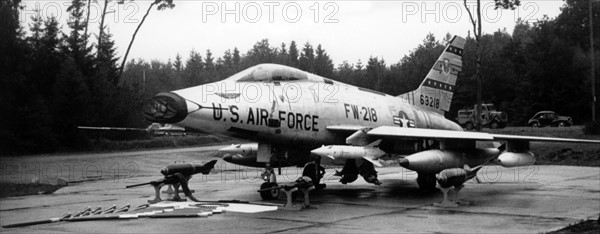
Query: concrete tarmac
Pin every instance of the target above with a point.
(508, 200)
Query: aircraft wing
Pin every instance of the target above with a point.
(502, 137)
(153, 129)
(423, 133)
(111, 128)
(418, 133)
(346, 128)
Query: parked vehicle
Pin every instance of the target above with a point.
(549, 118)
(166, 130)
(489, 117)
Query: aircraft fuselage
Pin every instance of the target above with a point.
(296, 113)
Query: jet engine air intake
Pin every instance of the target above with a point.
(165, 108)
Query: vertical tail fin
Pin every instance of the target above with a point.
(436, 90)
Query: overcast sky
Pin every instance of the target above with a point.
(348, 30)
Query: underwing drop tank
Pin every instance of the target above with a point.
(434, 161)
(511, 159)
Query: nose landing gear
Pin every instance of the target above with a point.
(270, 182)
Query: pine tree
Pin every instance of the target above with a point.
(209, 62)
(178, 63)
(236, 59)
(42, 60)
(12, 48)
(293, 54)
(375, 73)
(282, 56)
(76, 46)
(344, 72)
(359, 73)
(228, 68)
(261, 52)
(48, 57)
(107, 59)
(323, 64)
(228, 59)
(193, 69)
(35, 27)
(71, 99)
(307, 59)
(209, 74)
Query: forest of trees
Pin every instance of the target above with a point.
(52, 81)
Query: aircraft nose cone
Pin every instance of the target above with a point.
(404, 162)
(165, 108)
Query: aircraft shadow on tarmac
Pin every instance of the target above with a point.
(395, 189)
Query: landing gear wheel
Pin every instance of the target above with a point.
(426, 182)
(311, 171)
(269, 194)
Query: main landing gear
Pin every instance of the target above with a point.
(426, 182)
(351, 171)
(310, 170)
(270, 178)
(265, 153)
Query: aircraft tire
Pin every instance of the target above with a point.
(269, 194)
(469, 126)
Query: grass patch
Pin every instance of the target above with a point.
(15, 190)
(568, 154)
(592, 128)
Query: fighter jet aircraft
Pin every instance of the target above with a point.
(298, 118)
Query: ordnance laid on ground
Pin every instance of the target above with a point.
(304, 184)
(177, 175)
(30, 223)
(110, 209)
(86, 214)
(303, 181)
(203, 209)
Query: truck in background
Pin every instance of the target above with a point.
(489, 117)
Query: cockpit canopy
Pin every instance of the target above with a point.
(272, 73)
